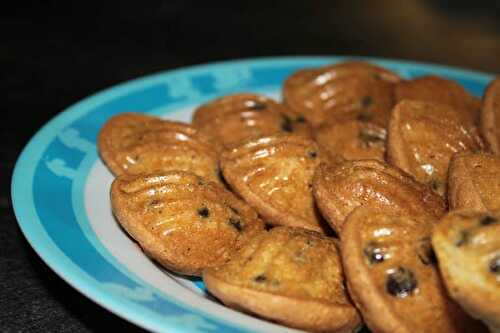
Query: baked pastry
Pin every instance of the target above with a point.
(490, 116)
(467, 244)
(182, 221)
(422, 138)
(274, 175)
(352, 86)
(432, 88)
(339, 189)
(132, 143)
(352, 136)
(392, 277)
(235, 118)
(474, 182)
(289, 275)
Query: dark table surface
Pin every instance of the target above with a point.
(54, 53)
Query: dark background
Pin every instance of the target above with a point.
(53, 53)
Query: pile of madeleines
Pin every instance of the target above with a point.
(362, 199)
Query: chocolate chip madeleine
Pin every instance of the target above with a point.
(182, 221)
(422, 138)
(352, 136)
(490, 116)
(341, 188)
(132, 143)
(392, 278)
(474, 182)
(289, 275)
(432, 88)
(317, 93)
(467, 244)
(235, 118)
(274, 175)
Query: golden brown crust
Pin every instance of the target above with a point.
(341, 188)
(236, 118)
(274, 175)
(290, 275)
(474, 182)
(490, 116)
(391, 276)
(422, 138)
(345, 87)
(467, 244)
(353, 137)
(132, 143)
(432, 88)
(182, 221)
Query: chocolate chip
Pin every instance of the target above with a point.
(261, 278)
(286, 125)
(204, 212)
(401, 282)
(268, 226)
(374, 253)
(236, 223)
(463, 238)
(310, 242)
(312, 154)
(254, 105)
(366, 101)
(487, 220)
(425, 252)
(300, 119)
(495, 265)
(364, 116)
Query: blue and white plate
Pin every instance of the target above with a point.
(60, 191)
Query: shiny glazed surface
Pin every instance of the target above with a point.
(233, 119)
(182, 221)
(432, 88)
(392, 277)
(274, 175)
(352, 136)
(131, 143)
(318, 93)
(467, 244)
(289, 275)
(474, 182)
(339, 189)
(422, 138)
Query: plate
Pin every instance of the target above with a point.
(60, 191)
